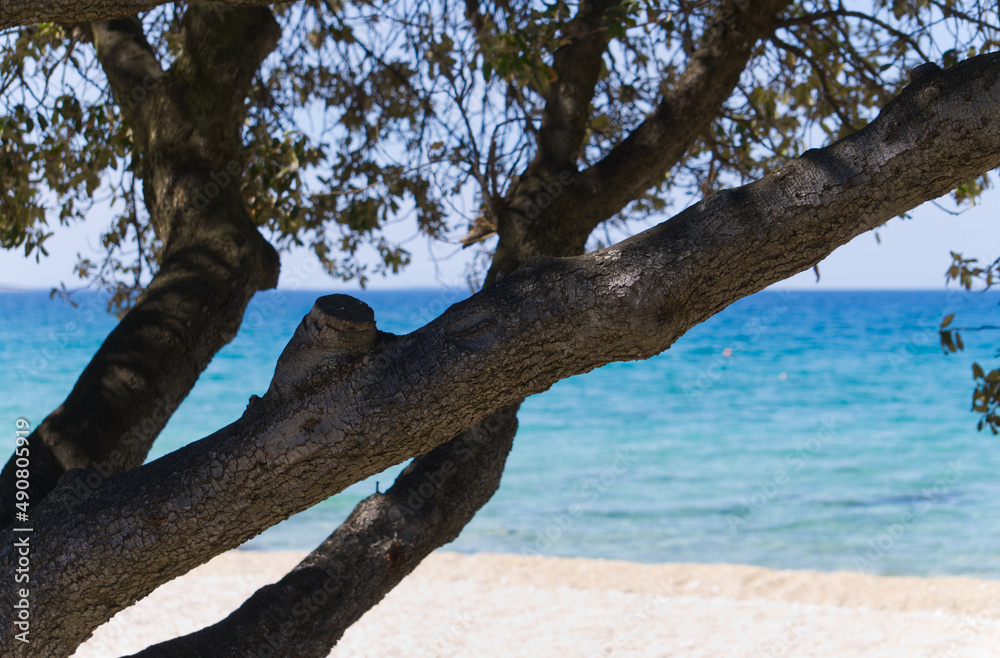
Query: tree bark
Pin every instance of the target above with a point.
(269, 619)
(456, 486)
(383, 540)
(384, 398)
(651, 150)
(484, 446)
(214, 259)
(17, 13)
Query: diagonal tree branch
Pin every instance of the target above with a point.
(213, 261)
(655, 146)
(347, 401)
(577, 67)
(686, 111)
(17, 13)
(384, 539)
(475, 462)
(478, 454)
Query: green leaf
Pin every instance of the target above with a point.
(947, 342)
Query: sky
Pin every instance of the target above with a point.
(913, 254)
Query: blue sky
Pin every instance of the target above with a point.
(913, 254)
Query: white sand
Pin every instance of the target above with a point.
(502, 605)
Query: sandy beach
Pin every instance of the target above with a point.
(504, 605)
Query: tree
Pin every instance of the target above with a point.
(569, 117)
(986, 394)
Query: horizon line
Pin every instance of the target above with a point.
(7, 288)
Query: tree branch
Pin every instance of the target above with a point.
(657, 144)
(553, 318)
(384, 539)
(17, 13)
(685, 112)
(214, 259)
(464, 478)
(577, 66)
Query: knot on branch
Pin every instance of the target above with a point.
(924, 73)
(337, 330)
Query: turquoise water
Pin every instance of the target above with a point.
(833, 433)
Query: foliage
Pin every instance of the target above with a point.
(986, 396)
(374, 113)
(425, 114)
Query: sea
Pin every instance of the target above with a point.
(794, 430)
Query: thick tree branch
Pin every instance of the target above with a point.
(686, 111)
(356, 414)
(16, 13)
(458, 477)
(577, 66)
(478, 455)
(655, 146)
(214, 259)
(305, 613)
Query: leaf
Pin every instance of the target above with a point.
(977, 371)
(947, 320)
(947, 342)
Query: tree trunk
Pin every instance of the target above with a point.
(383, 540)
(214, 259)
(374, 399)
(14, 13)
(642, 160)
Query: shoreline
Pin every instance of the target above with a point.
(508, 605)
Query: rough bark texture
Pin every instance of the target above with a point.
(214, 259)
(15, 13)
(384, 539)
(577, 67)
(560, 137)
(483, 448)
(642, 160)
(553, 318)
